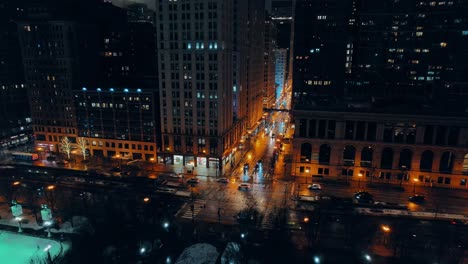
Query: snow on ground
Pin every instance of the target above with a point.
(16, 248)
(198, 254)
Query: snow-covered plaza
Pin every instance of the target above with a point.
(16, 248)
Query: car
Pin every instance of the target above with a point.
(62, 162)
(260, 161)
(116, 169)
(246, 165)
(417, 198)
(223, 180)
(273, 135)
(244, 186)
(193, 181)
(363, 197)
(314, 186)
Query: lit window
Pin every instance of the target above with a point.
(443, 44)
(419, 34)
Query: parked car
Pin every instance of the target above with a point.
(244, 186)
(193, 181)
(417, 198)
(363, 197)
(223, 180)
(314, 186)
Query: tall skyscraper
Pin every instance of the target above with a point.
(15, 116)
(269, 91)
(322, 33)
(57, 55)
(205, 108)
(410, 51)
(281, 64)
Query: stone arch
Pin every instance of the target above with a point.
(386, 161)
(446, 162)
(406, 156)
(349, 155)
(425, 164)
(324, 154)
(367, 156)
(306, 152)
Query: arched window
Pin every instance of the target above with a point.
(465, 164)
(446, 162)
(367, 155)
(306, 152)
(386, 161)
(405, 159)
(349, 154)
(324, 154)
(426, 161)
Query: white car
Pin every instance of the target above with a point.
(244, 186)
(314, 186)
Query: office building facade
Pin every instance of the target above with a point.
(269, 91)
(204, 111)
(381, 148)
(117, 122)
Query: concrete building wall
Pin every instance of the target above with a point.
(382, 133)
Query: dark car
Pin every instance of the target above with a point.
(363, 197)
(417, 198)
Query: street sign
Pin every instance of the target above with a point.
(46, 214)
(17, 210)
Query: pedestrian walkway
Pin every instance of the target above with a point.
(193, 210)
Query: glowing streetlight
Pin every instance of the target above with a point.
(152, 163)
(16, 183)
(415, 180)
(306, 219)
(386, 228)
(146, 199)
(50, 187)
(359, 179)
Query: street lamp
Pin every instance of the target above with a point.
(386, 228)
(415, 180)
(359, 180)
(152, 163)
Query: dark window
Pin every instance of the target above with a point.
(446, 162)
(405, 159)
(440, 179)
(426, 161)
(453, 136)
(366, 157)
(322, 128)
(326, 171)
(324, 154)
(388, 134)
(371, 131)
(447, 180)
(331, 129)
(428, 135)
(41, 137)
(349, 134)
(312, 128)
(387, 158)
(441, 134)
(349, 155)
(302, 128)
(320, 170)
(463, 182)
(306, 152)
(360, 130)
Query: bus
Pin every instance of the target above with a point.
(24, 156)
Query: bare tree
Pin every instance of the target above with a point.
(82, 146)
(66, 146)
